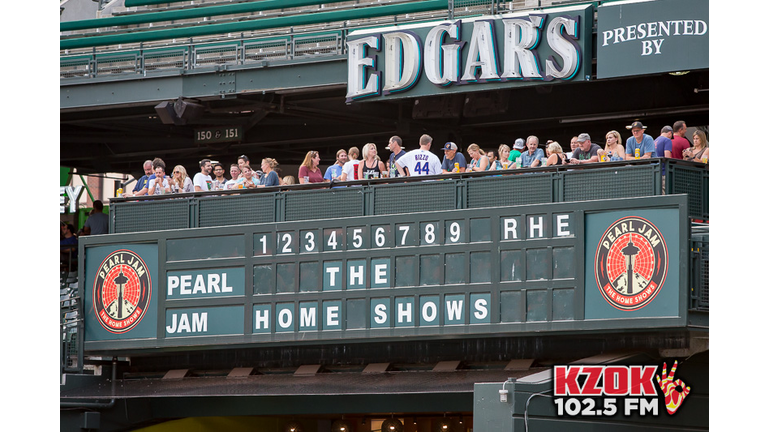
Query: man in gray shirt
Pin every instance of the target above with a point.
(98, 222)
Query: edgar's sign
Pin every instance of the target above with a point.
(631, 263)
(489, 50)
(121, 291)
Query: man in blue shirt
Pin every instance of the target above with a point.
(451, 158)
(640, 145)
(532, 157)
(664, 142)
(141, 184)
(334, 171)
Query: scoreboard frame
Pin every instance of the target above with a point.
(432, 274)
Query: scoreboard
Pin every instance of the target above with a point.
(475, 272)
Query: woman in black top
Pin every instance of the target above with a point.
(556, 155)
(372, 166)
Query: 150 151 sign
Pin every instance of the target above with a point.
(218, 134)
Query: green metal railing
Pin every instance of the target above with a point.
(252, 25)
(611, 180)
(699, 272)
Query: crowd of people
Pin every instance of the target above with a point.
(352, 164)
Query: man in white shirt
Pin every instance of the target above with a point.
(203, 181)
(420, 162)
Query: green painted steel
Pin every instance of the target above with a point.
(532, 186)
(260, 24)
(133, 3)
(503, 270)
(181, 14)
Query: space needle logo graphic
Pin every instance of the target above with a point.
(121, 291)
(631, 263)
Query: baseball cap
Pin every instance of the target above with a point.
(519, 144)
(636, 125)
(583, 137)
(450, 146)
(666, 129)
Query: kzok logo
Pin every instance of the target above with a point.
(121, 291)
(631, 263)
(576, 387)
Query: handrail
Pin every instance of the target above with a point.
(251, 25)
(551, 184)
(132, 3)
(180, 14)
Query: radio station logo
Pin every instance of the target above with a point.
(631, 263)
(121, 291)
(593, 390)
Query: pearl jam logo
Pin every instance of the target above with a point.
(631, 263)
(121, 291)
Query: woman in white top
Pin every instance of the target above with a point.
(180, 181)
(371, 166)
(159, 185)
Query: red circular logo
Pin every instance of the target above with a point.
(121, 291)
(631, 263)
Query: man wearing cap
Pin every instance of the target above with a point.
(586, 152)
(640, 145)
(420, 162)
(452, 157)
(517, 150)
(396, 147)
(679, 141)
(664, 142)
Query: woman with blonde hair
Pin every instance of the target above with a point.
(479, 161)
(371, 166)
(700, 150)
(503, 161)
(556, 155)
(270, 177)
(180, 181)
(309, 171)
(613, 150)
(289, 180)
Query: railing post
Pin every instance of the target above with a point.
(450, 9)
(140, 60)
(192, 56)
(292, 54)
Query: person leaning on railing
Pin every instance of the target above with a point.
(555, 155)
(180, 181)
(613, 151)
(270, 177)
(309, 171)
(371, 166)
(480, 161)
(700, 150)
(503, 161)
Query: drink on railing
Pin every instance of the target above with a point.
(119, 192)
(637, 153)
(392, 170)
(456, 166)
